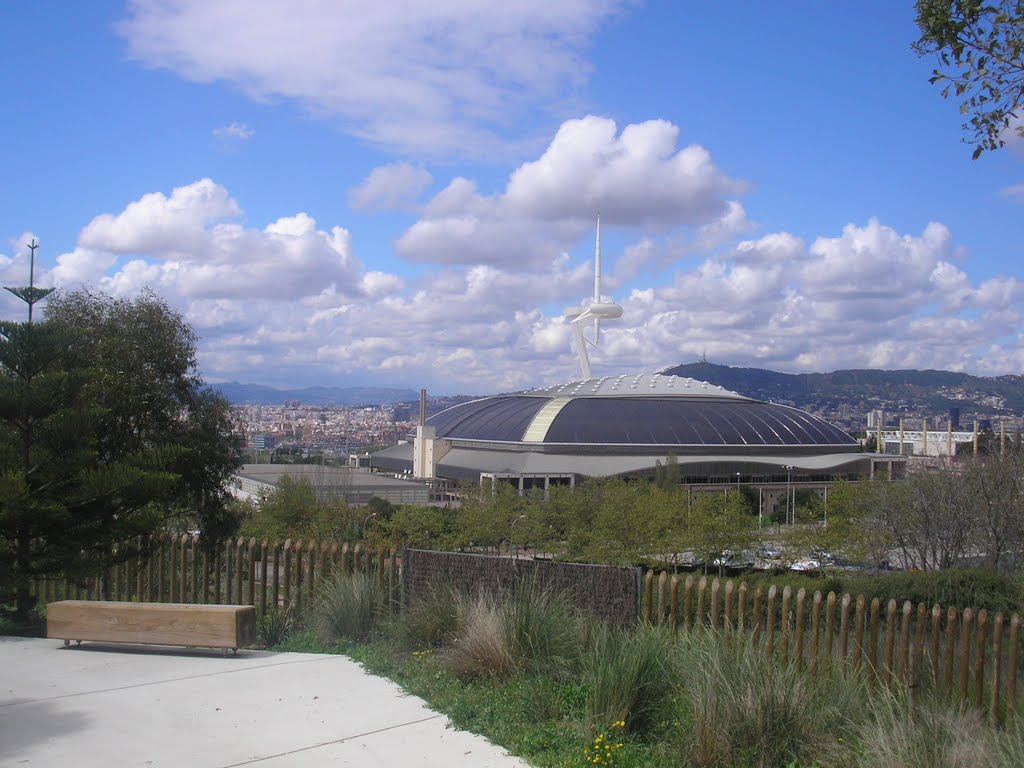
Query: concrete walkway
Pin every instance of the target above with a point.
(110, 706)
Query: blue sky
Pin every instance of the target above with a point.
(405, 193)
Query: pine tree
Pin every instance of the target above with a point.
(62, 509)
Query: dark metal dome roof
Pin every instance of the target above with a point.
(635, 410)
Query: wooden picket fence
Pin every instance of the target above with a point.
(972, 657)
(240, 572)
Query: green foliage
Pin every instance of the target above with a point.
(348, 606)
(742, 711)
(143, 382)
(628, 677)
(543, 628)
(64, 504)
(292, 511)
(430, 620)
(719, 523)
(531, 629)
(275, 627)
(980, 48)
(953, 588)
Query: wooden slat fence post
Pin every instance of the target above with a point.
(947, 677)
(229, 573)
(1011, 662)
(730, 590)
(858, 633)
(702, 585)
(662, 596)
(276, 575)
(253, 559)
(286, 553)
(815, 630)
(648, 596)
(239, 569)
(716, 589)
(965, 654)
(265, 575)
(872, 655)
(755, 618)
(194, 551)
(183, 564)
(933, 648)
(769, 634)
(312, 549)
(299, 552)
(979, 659)
(890, 642)
(688, 603)
(798, 621)
(844, 628)
(830, 627)
(997, 669)
(786, 619)
(903, 662)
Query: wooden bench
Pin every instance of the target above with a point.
(196, 626)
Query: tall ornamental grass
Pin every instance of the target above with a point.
(739, 710)
(628, 676)
(349, 606)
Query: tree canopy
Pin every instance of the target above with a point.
(980, 48)
(63, 508)
(141, 357)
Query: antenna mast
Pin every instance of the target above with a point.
(597, 310)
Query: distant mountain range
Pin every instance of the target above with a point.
(938, 390)
(257, 394)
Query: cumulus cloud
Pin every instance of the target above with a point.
(638, 178)
(288, 302)
(390, 186)
(444, 76)
(162, 226)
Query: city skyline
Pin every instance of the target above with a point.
(406, 195)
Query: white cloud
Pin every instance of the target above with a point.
(390, 186)
(443, 76)
(289, 303)
(234, 132)
(638, 178)
(162, 226)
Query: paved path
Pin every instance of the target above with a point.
(110, 706)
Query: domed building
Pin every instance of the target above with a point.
(627, 426)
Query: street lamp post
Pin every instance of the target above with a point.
(789, 485)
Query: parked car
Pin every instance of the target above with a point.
(768, 553)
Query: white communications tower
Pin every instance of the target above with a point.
(597, 311)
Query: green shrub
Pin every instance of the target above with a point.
(742, 710)
(543, 629)
(275, 626)
(348, 605)
(953, 588)
(430, 620)
(628, 679)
